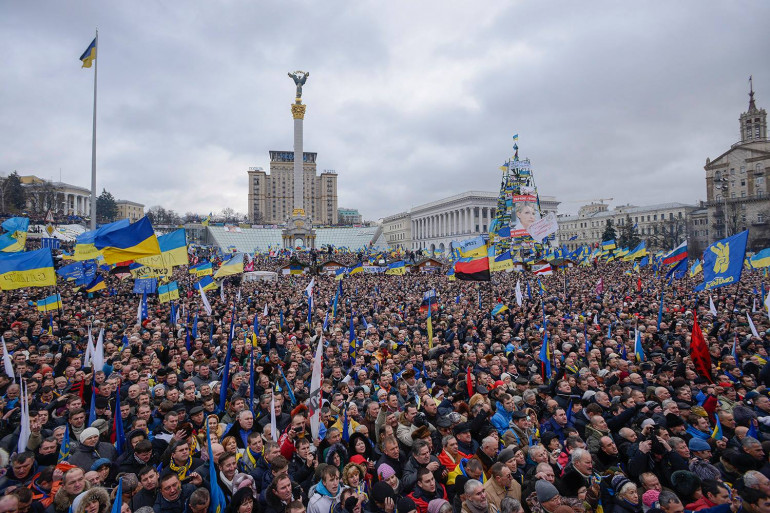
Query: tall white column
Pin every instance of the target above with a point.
(298, 112)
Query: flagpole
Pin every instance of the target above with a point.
(93, 142)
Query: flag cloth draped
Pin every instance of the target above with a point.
(134, 241)
(27, 269)
(314, 402)
(699, 352)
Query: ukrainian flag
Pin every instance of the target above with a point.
(27, 269)
(608, 244)
(89, 55)
(173, 248)
(15, 237)
(84, 244)
(499, 308)
(168, 292)
(231, 267)
(296, 269)
(716, 434)
(638, 252)
(340, 273)
(397, 268)
(696, 268)
(96, 285)
(134, 241)
(761, 259)
(206, 221)
(358, 268)
(49, 303)
(202, 269)
(472, 248)
(206, 283)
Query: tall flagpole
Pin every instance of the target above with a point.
(93, 143)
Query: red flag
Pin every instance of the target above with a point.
(638, 284)
(699, 352)
(469, 383)
(600, 286)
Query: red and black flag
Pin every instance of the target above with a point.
(473, 270)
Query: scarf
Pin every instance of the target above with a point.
(252, 457)
(473, 508)
(228, 484)
(182, 470)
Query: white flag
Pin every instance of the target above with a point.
(25, 431)
(314, 402)
(519, 297)
(222, 292)
(206, 304)
(139, 313)
(273, 424)
(265, 314)
(90, 347)
(309, 289)
(7, 362)
(238, 296)
(712, 308)
(751, 325)
(98, 356)
(754, 306)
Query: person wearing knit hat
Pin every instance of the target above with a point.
(626, 495)
(387, 475)
(435, 505)
(547, 495)
(649, 498)
(88, 433)
(91, 449)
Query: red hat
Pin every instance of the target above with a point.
(498, 383)
(726, 384)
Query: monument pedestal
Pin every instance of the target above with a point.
(299, 231)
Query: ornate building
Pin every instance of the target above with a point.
(397, 230)
(271, 196)
(736, 183)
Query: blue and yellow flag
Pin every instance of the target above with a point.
(761, 259)
(397, 268)
(50, 303)
(206, 221)
(499, 308)
(608, 244)
(84, 244)
(472, 248)
(15, 237)
(358, 268)
(168, 292)
(201, 269)
(696, 268)
(96, 285)
(173, 249)
(231, 267)
(27, 269)
(723, 261)
(638, 252)
(134, 241)
(89, 55)
(64, 449)
(206, 283)
(716, 434)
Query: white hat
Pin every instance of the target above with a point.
(88, 433)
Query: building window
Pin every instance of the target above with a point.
(743, 170)
(743, 182)
(760, 217)
(732, 171)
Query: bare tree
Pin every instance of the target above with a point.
(667, 234)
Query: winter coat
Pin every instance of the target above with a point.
(97, 493)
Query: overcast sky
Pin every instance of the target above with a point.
(408, 101)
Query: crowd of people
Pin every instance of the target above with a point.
(472, 421)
